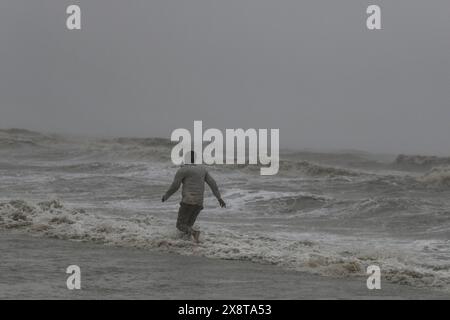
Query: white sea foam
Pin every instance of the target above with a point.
(436, 177)
(318, 253)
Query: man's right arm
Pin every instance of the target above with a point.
(175, 185)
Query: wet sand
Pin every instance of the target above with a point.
(34, 268)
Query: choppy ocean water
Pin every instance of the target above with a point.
(327, 213)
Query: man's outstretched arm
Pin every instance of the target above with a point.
(213, 185)
(174, 186)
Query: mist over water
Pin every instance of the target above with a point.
(329, 213)
(310, 68)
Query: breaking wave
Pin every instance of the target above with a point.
(51, 146)
(379, 205)
(419, 162)
(287, 205)
(318, 253)
(15, 138)
(315, 170)
(437, 177)
(303, 167)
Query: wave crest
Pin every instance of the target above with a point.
(436, 177)
(315, 170)
(419, 162)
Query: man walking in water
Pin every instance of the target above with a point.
(193, 178)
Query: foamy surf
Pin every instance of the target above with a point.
(318, 253)
(437, 177)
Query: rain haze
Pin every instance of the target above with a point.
(318, 219)
(310, 68)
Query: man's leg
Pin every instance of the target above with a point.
(193, 216)
(195, 233)
(184, 217)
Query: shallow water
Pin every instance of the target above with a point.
(29, 272)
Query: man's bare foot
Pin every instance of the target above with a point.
(196, 236)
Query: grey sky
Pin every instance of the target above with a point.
(310, 68)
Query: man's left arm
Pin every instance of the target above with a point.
(213, 185)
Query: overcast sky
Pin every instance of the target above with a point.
(309, 68)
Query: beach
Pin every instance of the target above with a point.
(126, 273)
